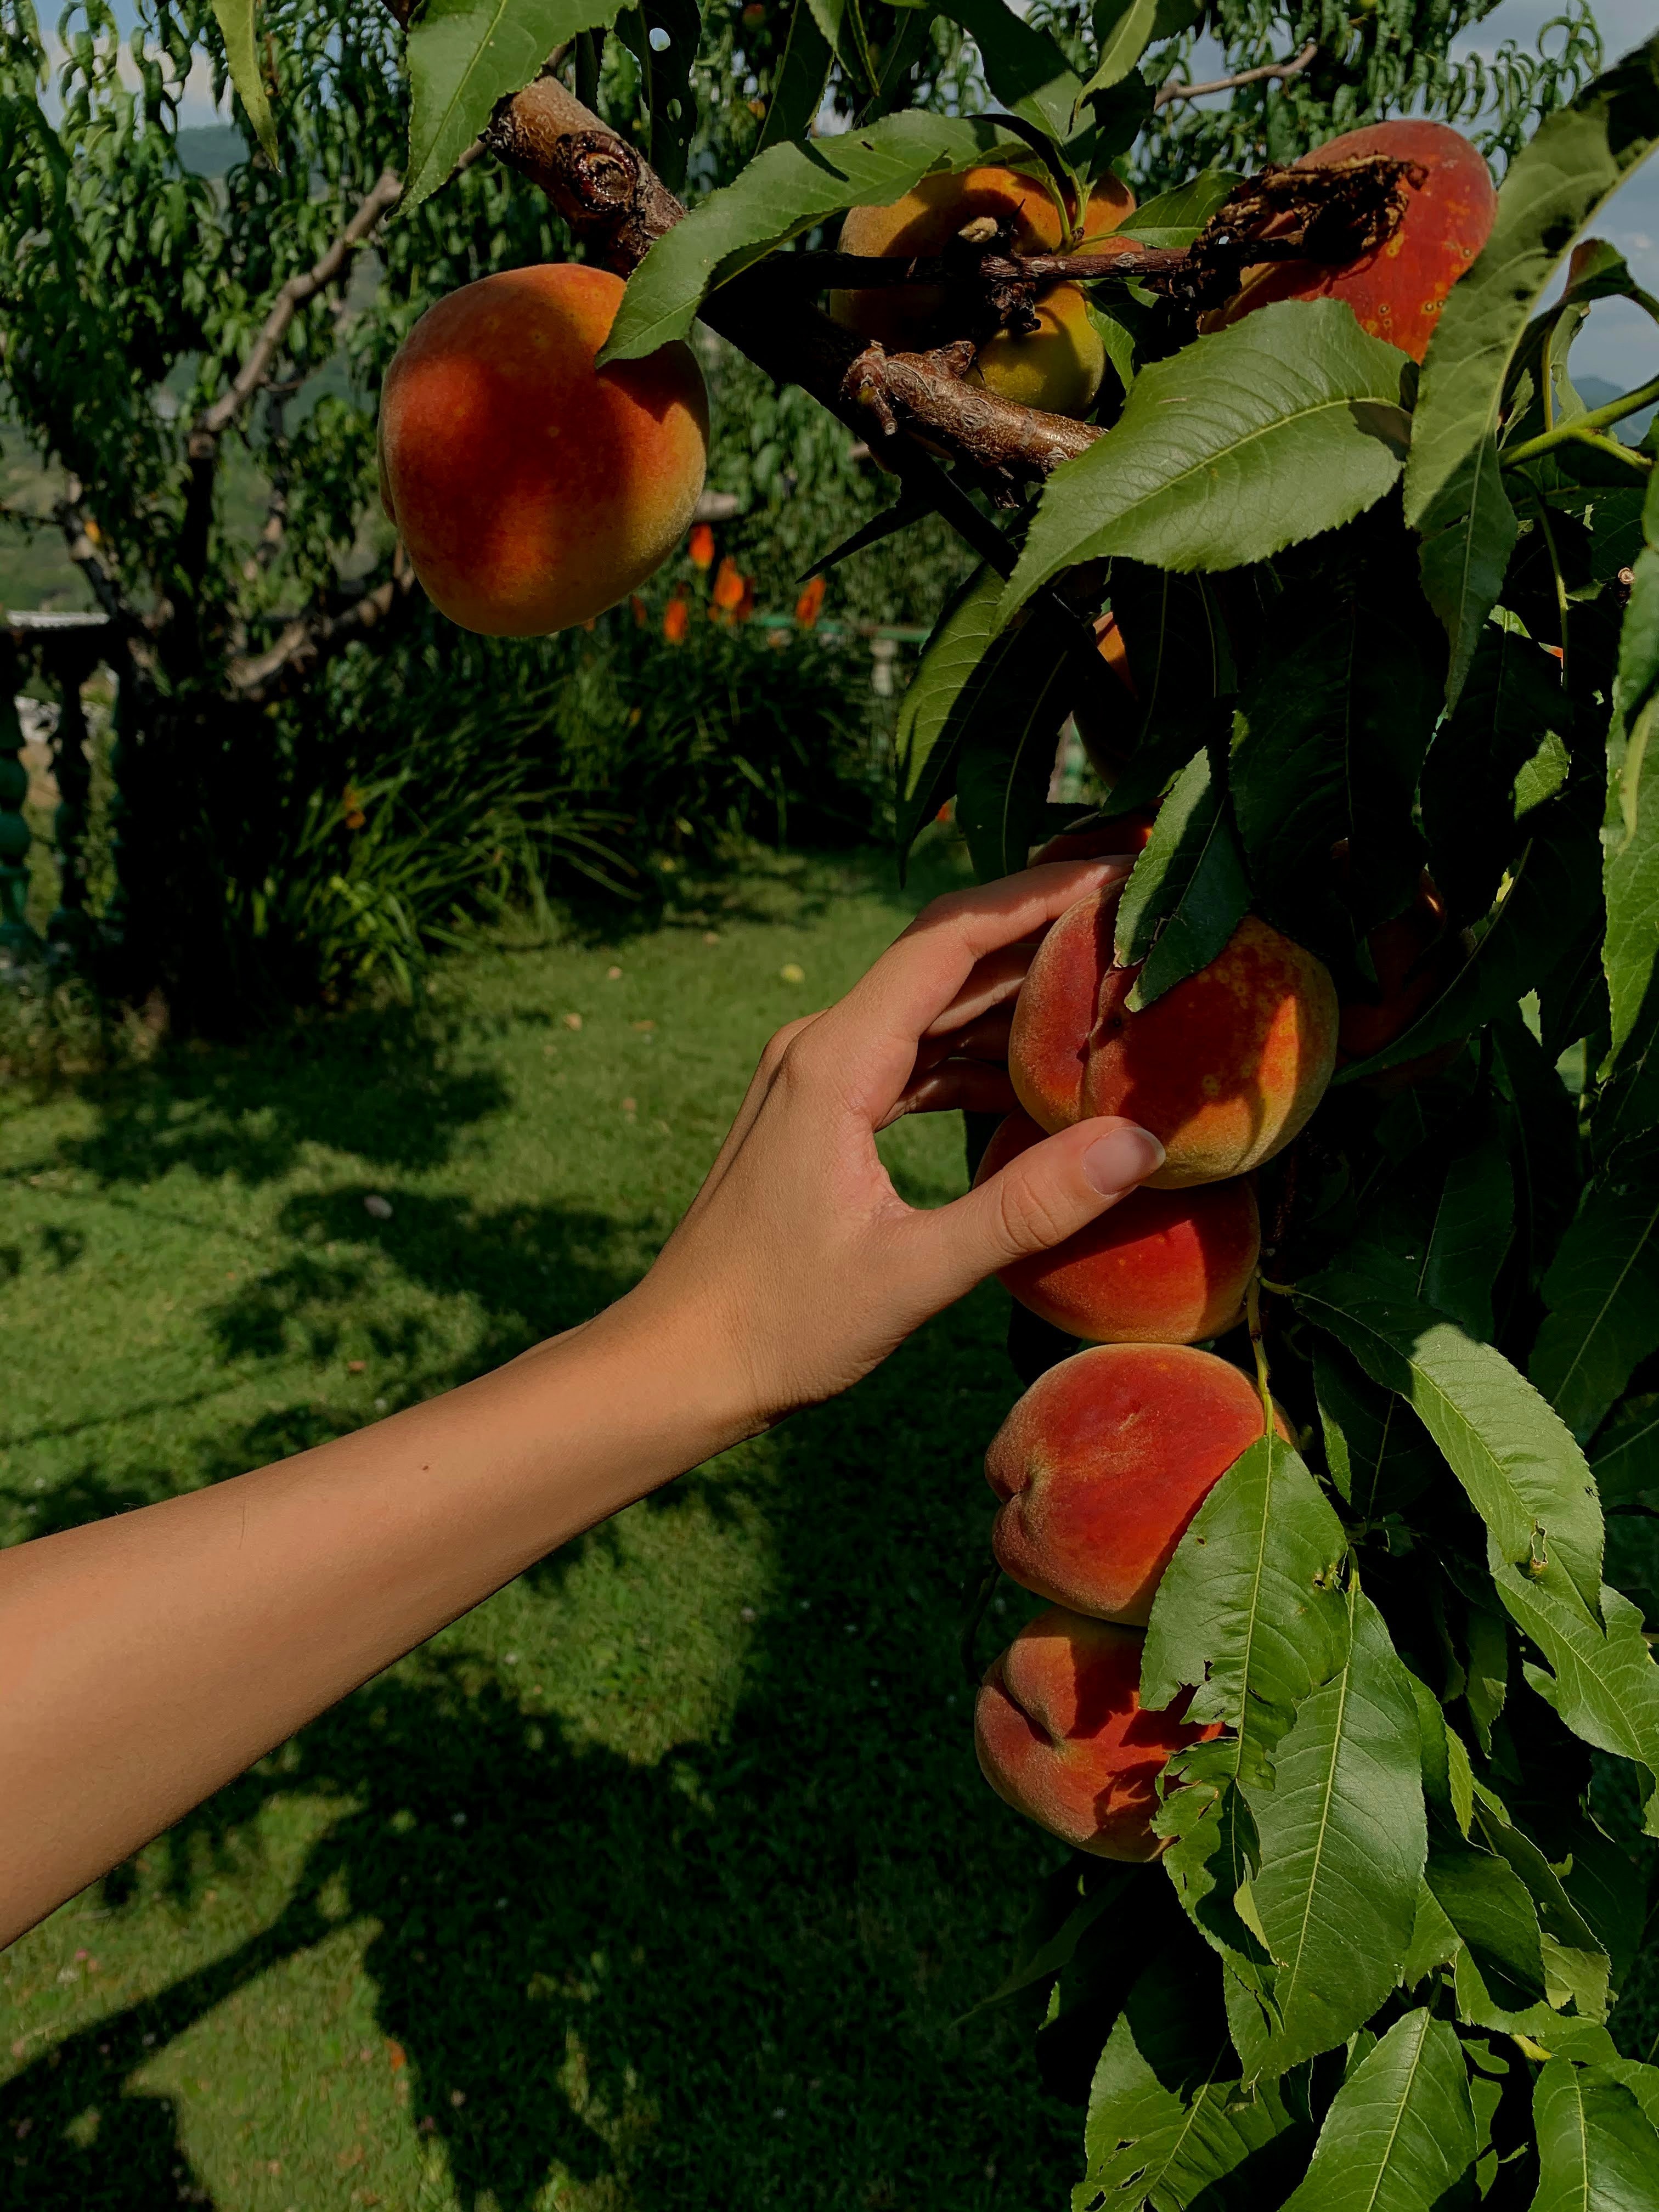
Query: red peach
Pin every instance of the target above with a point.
(1225, 1069)
(531, 493)
(1397, 292)
(1162, 1266)
(1102, 1463)
(1061, 1737)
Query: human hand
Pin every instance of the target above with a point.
(798, 1268)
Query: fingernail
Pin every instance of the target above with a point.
(1127, 1156)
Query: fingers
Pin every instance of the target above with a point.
(917, 982)
(994, 982)
(968, 1086)
(1047, 1193)
(754, 1098)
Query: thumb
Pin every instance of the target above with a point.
(1044, 1194)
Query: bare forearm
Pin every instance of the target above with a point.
(147, 1660)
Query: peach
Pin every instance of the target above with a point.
(1058, 366)
(1398, 291)
(1122, 833)
(531, 493)
(1102, 1463)
(1163, 1267)
(1224, 1069)
(1061, 1737)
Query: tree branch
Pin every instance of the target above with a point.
(1173, 90)
(83, 545)
(305, 643)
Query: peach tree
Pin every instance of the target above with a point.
(1346, 1705)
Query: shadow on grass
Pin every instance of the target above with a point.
(720, 1980)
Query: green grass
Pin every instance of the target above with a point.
(657, 1881)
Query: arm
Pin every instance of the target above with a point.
(149, 1658)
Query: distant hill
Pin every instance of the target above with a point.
(212, 149)
(1595, 391)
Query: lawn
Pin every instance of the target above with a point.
(658, 1882)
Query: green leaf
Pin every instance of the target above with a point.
(1597, 2152)
(1375, 1445)
(1524, 1474)
(1171, 221)
(1542, 1129)
(1332, 728)
(1626, 1461)
(1455, 496)
(1123, 31)
(1510, 706)
(1187, 893)
(1288, 423)
(1400, 2129)
(1552, 894)
(235, 21)
(1026, 69)
(1603, 1292)
(1490, 1906)
(466, 55)
(803, 76)
(1344, 1840)
(1435, 1942)
(1166, 2121)
(782, 192)
(931, 713)
(1630, 838)
(1605, 1687)
(666, 74)
(1007, 719)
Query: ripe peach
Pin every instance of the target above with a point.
(532, 494)
(1163, 1267)
(1102, 1463)
(1061, 1737)
(1058, 366)
(1397, 292)
(1225, 1069)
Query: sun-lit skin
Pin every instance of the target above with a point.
(1061, 1737)
(1164, 1266)
(1057, 367)
(1102, 1463)
(1396, 293)
(1225, 1069)
(531, 493)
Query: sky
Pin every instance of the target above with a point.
(1618, 342)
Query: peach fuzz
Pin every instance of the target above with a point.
(1057, 367)
(1397, 292)
(531, 493)
(1162, 1266)
(1225, 1069)
(1061, 1737)
(1102, 1463)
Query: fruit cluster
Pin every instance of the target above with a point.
(1105, 1460)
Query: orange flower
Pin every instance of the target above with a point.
(810, 605)
(676, 621)
(702, 548)
(731, 586)
(641, 612)
(351, 806)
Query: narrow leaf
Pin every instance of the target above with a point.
(929, 723)
(1455, 494)
(235, 21)
(1489, 1906)
(1379, 1457)
(1187, 893)
(1524, 1474)
(1122, 37)
(1603, 1292)
(1287, 424)
(466, 55)
(1631, 834)
(1026, 69)
(1172, 219)
(1008, 717)
(1626, 1459)
(1344, 1839)
(1597, 2151)
(782, 192)
(802, 75)
(1400, 2129)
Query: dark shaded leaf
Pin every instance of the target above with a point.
(1603, 1292)
(802, 76)
(1187, 893)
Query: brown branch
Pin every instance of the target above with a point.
(309, 639)
(903, 390)
(77, 533)
(1173, 90)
